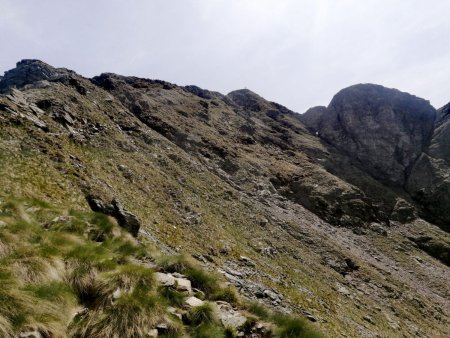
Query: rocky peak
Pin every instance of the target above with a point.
(384, 130)
(247, 99)
(29, 71)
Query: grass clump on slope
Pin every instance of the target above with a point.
(70, 273)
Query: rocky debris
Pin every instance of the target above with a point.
(310, 177)
(311, 318)
(162, 328)
(342, 290)
(178, 281)
(378, 228)
(343, 266)
(247, 261)
(23, 109)
(126, 219)
(229, 316)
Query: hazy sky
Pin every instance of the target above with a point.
(296, 52)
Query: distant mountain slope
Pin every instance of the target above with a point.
(293, 219)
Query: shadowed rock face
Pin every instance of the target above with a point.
(429, 182)
(383, 129)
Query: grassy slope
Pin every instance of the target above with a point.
(163, 184)
(56, 262)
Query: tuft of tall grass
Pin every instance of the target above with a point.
(227, 294)
(132, 315)
(258, 309)
(178, 263)
(127, 279)
(294, 327)
(172, 296)
(203, 314)
(208, 330)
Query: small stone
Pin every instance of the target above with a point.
(263, 222)
(162, 328)
(343, 290)
(193, 302)
(369, 319)
(165, 279)
(116, 294)
(178, 275)
(152, 333)
(183, 284)
(174, 312)
(230, 317)
(246, 260)
(30, 334)
(311, 318)
(272, 295)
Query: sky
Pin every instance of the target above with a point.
(298, 53)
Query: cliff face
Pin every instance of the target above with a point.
(317, 214)
(397, 138)
(384, 130)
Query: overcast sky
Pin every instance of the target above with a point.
(295, 52)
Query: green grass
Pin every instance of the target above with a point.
(227, 294)
(258, 309)
(202, 280)
(291, 327)
(51, 264)
(203, 314)
(208, 331)
(172, 296)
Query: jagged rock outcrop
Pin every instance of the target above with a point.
(429, 180)
(30, 72)
(383, 129)
(126, 219)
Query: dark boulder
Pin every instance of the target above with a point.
(126, 219)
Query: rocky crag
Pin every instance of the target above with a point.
(338, 214)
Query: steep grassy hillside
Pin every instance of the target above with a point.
(71, 273)
(235, 181)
